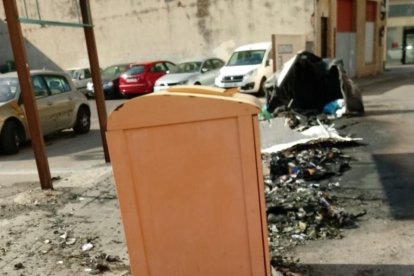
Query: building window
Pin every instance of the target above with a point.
(401, 10)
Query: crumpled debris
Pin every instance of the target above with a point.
(311, 164)
(300, 198)
(100, 263)
(18, 266)
(87, 246)
(302, 119)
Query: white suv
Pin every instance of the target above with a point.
(248, 68)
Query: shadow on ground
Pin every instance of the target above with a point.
(396, 173)
(83, 147)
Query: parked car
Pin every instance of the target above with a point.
(80, 77)
(141, 77)
(248, 68)
(194, 72)
(110, 81)
(59, 104)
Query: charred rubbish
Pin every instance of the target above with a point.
(301, 201)
(309, 82)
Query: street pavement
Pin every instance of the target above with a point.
(381, 180)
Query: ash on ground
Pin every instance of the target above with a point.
(300, 188)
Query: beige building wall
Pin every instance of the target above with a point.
(325, 9)
(377, 66)
(328, 8)
(142, 30)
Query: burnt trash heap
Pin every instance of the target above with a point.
(309, 83)
(302, 182)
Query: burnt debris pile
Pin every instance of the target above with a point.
(301, 201)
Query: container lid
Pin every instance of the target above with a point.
(181, 104)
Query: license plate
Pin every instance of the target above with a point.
(229, 85)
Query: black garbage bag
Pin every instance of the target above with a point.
(308, 82)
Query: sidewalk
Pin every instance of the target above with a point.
(74, 230)
(391, 73)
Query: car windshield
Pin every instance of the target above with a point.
(249, 57)
(74, 74)
(8, 89)
(113, 71)
(187, 67)
(137, 69)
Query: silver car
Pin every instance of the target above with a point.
(194, 72)
(59, 104)
(80, 77)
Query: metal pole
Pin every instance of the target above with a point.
(96, 75)
(32, 115)
(274, 52)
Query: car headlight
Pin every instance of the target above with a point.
(108, 84)
(250, 74)
(89, 86)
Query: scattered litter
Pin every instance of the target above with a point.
(59, 262)
(99, 268)
(100, 263)
(56, 178)
(18, 266)
(45, 251)
(64, 236)
(301, 172)
(70, 241)
(112, 259)
(336, 108)
(87, 246)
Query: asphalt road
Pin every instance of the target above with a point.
(66, 151)
(381, 182)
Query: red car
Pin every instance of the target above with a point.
(140, 78)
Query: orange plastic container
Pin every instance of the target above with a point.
(188, 174)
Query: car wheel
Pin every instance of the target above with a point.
(10, 138)
(83, 121)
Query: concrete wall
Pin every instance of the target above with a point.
(133, 30)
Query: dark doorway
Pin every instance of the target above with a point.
(408, 47)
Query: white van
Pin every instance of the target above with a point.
(248, 68)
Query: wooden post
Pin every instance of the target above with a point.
(95, 72)
(29, 101)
